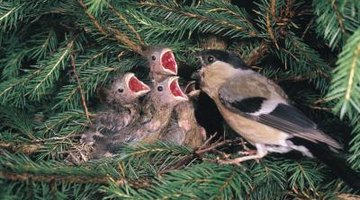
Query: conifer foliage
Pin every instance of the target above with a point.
(55, 55)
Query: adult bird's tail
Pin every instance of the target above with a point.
(334, 161)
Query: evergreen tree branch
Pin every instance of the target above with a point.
(346, 77)
(83, 100)
(92, 18)
(27, 149)
(205, 17)
(257, 54)
(336, 20)
(119, 36)
(18, 120)
(271, 11)
(60, 178)
(49, 71)
(63, 124)
(122, 18)
(277, 39)
(123, 39)
(355, 144)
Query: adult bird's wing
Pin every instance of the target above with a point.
(275, 112)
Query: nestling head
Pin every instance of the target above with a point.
(125, 89)
(168, 92)
(161, 60)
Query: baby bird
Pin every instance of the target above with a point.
(157, 108)
(122, 98)
(161, 62)
(183, 128)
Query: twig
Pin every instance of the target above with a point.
(199, 17)
(296, 78)
(268, 22)
(127, 24)
(62, 178)
(23, 148)
(257, 54)
(104, 180)
(339, 17)
(83, 100)
(198, 153)
(214, 146)
(122, 38)
(307, 28)
(92, 18)
(320, 108)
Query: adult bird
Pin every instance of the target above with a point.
(257, 109)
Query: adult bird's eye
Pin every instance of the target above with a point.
(153, 57)
(211, 59)
(160, 88)
(120, 90)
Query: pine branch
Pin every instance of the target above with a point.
(49, 72)
(63, 124)
(83, 101)
(59, 178)
(17, 120)
(12, 63)
(117, 34)
(344, 85)
(275, 37)
(123, 39)
(230, 21)
(68, 97)
(92, 18)
(355, 144)
(44, 43)
(9, 15)
(337, 20)
(300, 59)
(271, 11)
(126, 22)
(13, 92)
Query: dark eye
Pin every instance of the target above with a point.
(160, 88)
(211, 59)
(153, 57)
(120, 90)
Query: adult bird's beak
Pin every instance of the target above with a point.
(196, 75)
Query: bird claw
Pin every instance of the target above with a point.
(247, 152)
(227, 161)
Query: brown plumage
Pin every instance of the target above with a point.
(183, 128)
(161, 62)
(122, 108)
(255, 107)
(195, 135)
(156, 113)
(122, 99)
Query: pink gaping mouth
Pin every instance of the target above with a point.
(168, 62)
(176, 90)
(136, 85)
